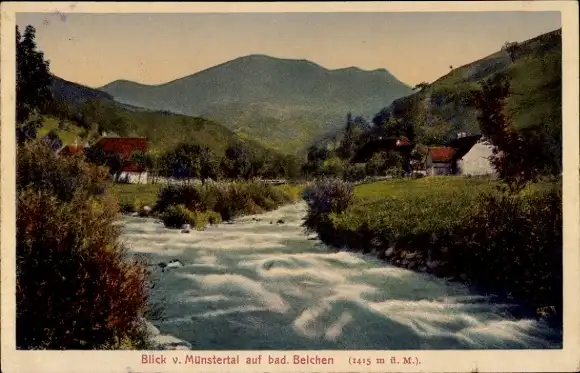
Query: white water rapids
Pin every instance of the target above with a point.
(255, 284)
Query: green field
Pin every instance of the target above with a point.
(425, 205)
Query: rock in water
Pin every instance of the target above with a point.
(280, 221)
(175, 263)
(185, 228)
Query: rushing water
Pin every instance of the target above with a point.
(257, 284)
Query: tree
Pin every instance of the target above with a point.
(184, 161)
(518, 157)
(513, 49)
(209, 165)
(421, 86)
(32, 84)
(237, 162)
(347, 146)
(113, 160)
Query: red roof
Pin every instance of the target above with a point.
(441, 154)
(125, 146)
(71, 150)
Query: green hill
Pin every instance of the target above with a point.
(444, 107)
(283, 103)
(81, 114)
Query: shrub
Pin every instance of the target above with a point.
(66, 178)
(325, 197)
(77, 287)
(518, 237)
(229, 200)
(127, 207)
(213, 217)
(187, 195)
(177, 215)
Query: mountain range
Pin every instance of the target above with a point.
(282, 103)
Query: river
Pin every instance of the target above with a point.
(257, 284)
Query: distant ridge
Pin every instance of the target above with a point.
(282, 102)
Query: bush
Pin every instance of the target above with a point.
(187, 195)
(177, 215)
(518, 237)
(76, 285)
(213, 217)
(65, 177)
(326, 197)
(127, 207)
(229, 200)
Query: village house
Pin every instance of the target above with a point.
(131, 172)
(477, 161)
(464, 155)
(440, 160)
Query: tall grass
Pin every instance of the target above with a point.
(228, 200)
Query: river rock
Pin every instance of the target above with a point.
(546, 312)
(175, 263)
(390, 251)
(280, 221)
(185, 228)
(422, 269)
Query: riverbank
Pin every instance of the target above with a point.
(461, 229)
(200, 205)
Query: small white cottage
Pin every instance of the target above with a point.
(476, 161)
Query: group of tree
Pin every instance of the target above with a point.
(32, 85)
(338, 159)
(239, 161)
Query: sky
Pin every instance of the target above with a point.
(95, 49)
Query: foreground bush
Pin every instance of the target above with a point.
(76, 285)
(229, 200)
(325, 197)
(504, 243)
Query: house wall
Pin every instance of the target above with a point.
(133, 177)
(436, 169)
(476, 161)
